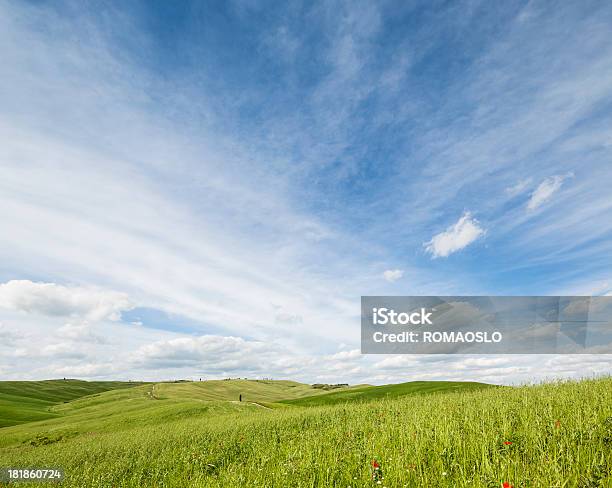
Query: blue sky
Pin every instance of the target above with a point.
(187, 184)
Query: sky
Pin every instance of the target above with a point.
(206, 189)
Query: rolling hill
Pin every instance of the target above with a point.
(290, 434)
(368, 393)
(27, 401)
(65, 408)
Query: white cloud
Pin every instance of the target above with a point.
(148, 354)
(50, 299)
(84, 370)
(394, 362)
(546, 189)
(63, 350)
(8, 337)
(82, 332)
(485, 362)
(221, 356)
(459, 235)
(346, 355)
(166, 249)
(518, 188)
(208, 351)
(392, 275)
(285, 317)
(497, 369)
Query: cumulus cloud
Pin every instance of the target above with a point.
(546, 189)
(211, 351)
(63, 350)
(84, 370)
(392, 275)
(459, 235)
(346, 355)
(222, 356)
(80, 333)
(51, 299)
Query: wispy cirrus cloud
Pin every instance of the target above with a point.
(518, 188)
(258, 195)
(546, 189)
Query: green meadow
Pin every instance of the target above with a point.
(26, 401)
(283, 433)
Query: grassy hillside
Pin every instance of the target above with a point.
(550, 435)
(27, 401)
(251, 390)
(156, 403)
(102, 404)
(82, 405)
(367, 393)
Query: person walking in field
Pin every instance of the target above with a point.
(240, 397)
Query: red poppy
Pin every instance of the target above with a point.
(507, 485)
(375, 464)
(507, 443)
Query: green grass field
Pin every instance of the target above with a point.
(368, 393)
(27, 401)
(421, 434)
